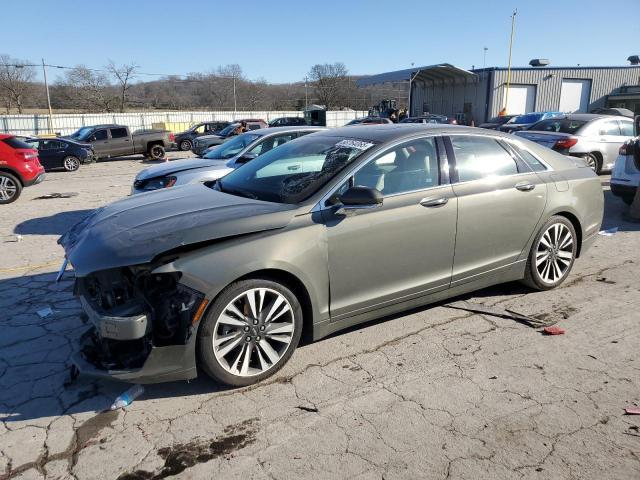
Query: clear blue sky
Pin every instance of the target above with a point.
(281, 40)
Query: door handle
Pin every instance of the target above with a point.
(434, 202)
(525, 186)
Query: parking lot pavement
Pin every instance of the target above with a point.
(433, 393)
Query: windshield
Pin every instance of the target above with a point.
(558, 125)
(232, 147)
(294, 171)
(82, 134)
(529, 118)
(227, 130)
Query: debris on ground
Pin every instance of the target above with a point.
(553, 331)
(501, 313)
(609, 232)
(632, 410)
(308, 409)
(45, 312)
(127, 397)
(57, 195)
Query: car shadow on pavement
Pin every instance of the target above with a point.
(56, 224)
(616, 214)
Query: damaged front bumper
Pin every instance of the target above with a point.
(143, 326)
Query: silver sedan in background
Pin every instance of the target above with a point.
(594, 138)
(219, 161)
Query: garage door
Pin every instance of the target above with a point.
(522, 99)
(574, 95)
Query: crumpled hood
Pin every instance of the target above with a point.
(168, 168)
(139, 228)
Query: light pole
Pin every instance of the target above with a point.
(235, 103)
(46, 86)
(484, 58)
(513, 27)
(306, 95)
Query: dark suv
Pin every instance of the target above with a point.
(185, 139)
(288, 122)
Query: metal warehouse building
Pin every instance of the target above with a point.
(480, 94)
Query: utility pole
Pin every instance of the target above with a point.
(513, 27)
(484, 58)
(306, 95)
(46, 86)
(235, 104)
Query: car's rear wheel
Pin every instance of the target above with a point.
(156, 152)
(10, 188)
(552, 254)
(71, 163)
(250, 332)
(185, 145)
(593, 162)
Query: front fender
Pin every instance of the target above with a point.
(300, 249)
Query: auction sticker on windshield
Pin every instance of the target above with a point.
(357, 144)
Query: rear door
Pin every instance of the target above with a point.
(120, 143)
(51, 153)
(610, 139)
(500, 201)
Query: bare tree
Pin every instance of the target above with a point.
(16, 81)
(330, 82)
(90, 89)
(123, 74)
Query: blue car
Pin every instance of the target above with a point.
(522, 122)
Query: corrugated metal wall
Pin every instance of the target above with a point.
(449, 99)
(68, 123)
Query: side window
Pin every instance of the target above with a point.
(408, 167)
(253, 126)
(100, 134)
(481, 157)
(50, 145)
(199, 129)
(626, 128)
(610, 127)
(118, 132)
(535, 164)
(271, 142)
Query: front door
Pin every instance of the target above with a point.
(100, 141)
(402, 249)
(500, 201)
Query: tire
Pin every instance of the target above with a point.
(10, 188)
(552, 254)
(593, 162)
(234, 346)
(185, 145)
(156, 152)
(71, 163)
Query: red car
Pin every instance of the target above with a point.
(19, 167)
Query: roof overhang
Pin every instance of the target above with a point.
(441, 73)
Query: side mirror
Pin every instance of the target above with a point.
(92, 138)
(359, 198)
(247, 157)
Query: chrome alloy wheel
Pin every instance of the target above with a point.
(554, 253)
(8, 188)
(253, 332)
(71, 164)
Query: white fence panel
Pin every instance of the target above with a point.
(66, 123)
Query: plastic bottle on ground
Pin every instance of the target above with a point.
(127, 397)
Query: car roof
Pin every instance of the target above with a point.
(386, 132)
(583, 116)
(5, 135)
(271, 130)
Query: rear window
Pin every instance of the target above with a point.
(13, 142)
(563, 125)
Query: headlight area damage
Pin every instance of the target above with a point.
(143, 325)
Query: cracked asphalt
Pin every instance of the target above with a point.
(434, 393)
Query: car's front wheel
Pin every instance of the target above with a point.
(71, 163)
(552, 254)
(185, 145)
(250, 332)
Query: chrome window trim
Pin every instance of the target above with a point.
(515, 143)
(320, 205)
